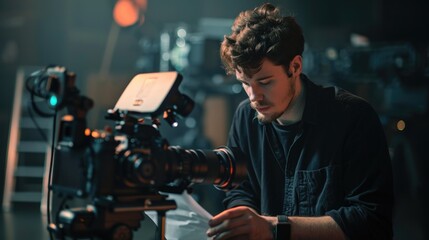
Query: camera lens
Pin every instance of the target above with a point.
(222, 167)
(175, 168)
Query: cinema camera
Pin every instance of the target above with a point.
(126, 171)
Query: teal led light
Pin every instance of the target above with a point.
(53, 100)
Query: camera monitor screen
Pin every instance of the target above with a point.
(147, 93)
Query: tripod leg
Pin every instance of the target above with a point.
(160, 232)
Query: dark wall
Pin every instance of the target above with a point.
(405, 21)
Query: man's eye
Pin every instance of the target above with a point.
(264, 82)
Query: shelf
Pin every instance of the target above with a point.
(29, 171)
(33, 146)
(26, 196)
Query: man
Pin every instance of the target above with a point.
(318, 164)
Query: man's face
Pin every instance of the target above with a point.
(270, 90)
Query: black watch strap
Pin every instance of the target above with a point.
(282, 229)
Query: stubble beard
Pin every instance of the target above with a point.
(266, 118)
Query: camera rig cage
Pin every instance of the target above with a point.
(124, 172)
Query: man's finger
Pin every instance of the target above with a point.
(227, 225)
(227, 214)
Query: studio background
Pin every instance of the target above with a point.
(376, 49)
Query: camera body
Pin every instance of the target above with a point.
(117, 164)
(110, 164)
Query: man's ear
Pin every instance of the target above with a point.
(295, 66)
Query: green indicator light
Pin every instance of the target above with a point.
(53, 100)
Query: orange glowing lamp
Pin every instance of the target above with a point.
(127, 13)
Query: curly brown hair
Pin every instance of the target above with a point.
(261, 33)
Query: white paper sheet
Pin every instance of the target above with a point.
(189, 221)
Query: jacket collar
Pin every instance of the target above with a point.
(315, 96)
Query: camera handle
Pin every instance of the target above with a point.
(156, 202)
(161, 206)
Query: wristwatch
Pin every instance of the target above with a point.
(282, 229)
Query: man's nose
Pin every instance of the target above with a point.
(254, 93)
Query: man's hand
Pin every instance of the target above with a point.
(241, 223)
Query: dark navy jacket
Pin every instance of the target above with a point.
(338, 164)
